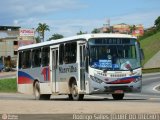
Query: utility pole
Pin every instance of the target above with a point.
(107, 25)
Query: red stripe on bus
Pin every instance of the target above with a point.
(24, 80)
(129, 80)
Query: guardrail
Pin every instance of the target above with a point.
(150, 70)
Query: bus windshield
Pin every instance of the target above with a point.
(114, 54)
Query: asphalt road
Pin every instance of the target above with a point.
(4, 75)
(146, 102)
(149, 84)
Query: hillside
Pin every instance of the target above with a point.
(150, 46)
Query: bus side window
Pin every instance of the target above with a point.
(70, 52)
(74, 52)
(36, 58)
(66, 55)
(26, 61)
(20, 60)
(61, 54)
(45, 56)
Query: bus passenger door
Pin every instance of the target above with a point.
(54, 69)
(82, 66)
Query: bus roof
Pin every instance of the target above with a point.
(83, 36)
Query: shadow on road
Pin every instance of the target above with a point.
(65, 98)
(97, 99)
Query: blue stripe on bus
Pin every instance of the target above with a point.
(23, 74)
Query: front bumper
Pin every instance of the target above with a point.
(125, 88)
(111, 88)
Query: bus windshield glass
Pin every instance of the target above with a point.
(114, 53)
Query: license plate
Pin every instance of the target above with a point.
(118, 91)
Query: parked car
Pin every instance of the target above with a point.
(1, 67)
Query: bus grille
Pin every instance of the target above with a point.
(117, 75)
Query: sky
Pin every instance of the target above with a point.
(67, 17)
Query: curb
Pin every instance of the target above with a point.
(147, 74)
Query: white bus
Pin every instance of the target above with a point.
(81, 65)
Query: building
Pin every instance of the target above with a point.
(135, 30)
(139, 30)
(8, 44)
(12, 37)
(104, 30)
(121, 28)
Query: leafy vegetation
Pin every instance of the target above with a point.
(150, 46)
(38, 39)
(157, 23)
(80, 33)
(95, 30)
(153, 30)
(151, 70)
(56, 36)
(8, 85)
(150, 41)
(149, 32)
(42, 27)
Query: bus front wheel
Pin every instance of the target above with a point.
(117, 96)
(38, 95)
(74, 93)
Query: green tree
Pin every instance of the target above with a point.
(42, 27)
(157, 23)
(80, 33)
(38, 39)
(132, 28)
(95, 30)
(56, 36)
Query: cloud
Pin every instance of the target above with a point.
(28, 14)
(69, 27)
(28, 8)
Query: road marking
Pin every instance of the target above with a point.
(154, 88)
(134, 94)
(154, 98)
(96, 96)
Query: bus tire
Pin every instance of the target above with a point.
(117, 96)
(45, 97)
(38, 95)
(37, 91)
(70, 97)
(74, 93)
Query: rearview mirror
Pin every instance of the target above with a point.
(141, 54)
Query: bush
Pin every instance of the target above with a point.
(148, 33)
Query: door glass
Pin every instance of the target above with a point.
(56, 59)
(82, 68)
(54, 69)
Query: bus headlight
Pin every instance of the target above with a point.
(137, 79)
(95, 79)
